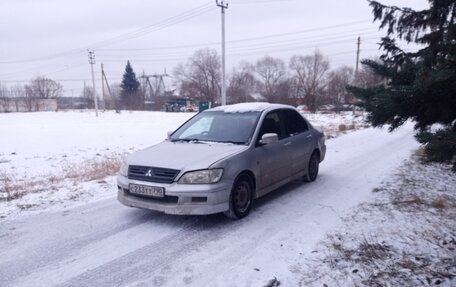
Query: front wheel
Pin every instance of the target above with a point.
(312, 168)
(240, 198)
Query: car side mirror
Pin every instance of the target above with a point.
(269, 138)
(168, 134)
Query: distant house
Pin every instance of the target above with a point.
(74, 103)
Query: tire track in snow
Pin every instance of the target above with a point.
(52, 251)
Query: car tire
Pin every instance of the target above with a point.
(312, 168)
(241, 198)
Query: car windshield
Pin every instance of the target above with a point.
(218, 126)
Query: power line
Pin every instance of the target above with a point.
(62, 70)
(232, 44)
(248, 2)
(126, 36)
(245, 51)
(270, 36)
(233, 50)
(158, 26)
(315, 40)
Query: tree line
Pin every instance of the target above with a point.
(29, 94)
(305, 79)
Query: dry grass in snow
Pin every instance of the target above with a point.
(405, 236)
(95, 169)
(334, 124)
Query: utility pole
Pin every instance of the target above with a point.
(357, 56)
(112, 101)
(92, 62)
(222, 5)
(103, 103)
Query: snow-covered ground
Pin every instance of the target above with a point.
(79, 235)
(36, 144)
(404, 235)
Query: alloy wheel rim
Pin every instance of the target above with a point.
(313, 167)
(242, 197)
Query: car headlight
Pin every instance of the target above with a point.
(124, 169)
(202, 176)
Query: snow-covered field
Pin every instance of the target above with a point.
(35, 144)
(75, 233)
(54, 157)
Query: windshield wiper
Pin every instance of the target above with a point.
(234, 142)
(188, 140)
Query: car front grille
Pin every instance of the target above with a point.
(152, 174)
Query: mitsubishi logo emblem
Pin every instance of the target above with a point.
(149, 173)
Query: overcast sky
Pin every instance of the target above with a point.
(51, 37)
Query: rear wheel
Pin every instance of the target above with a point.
(240, 198)
(312, 168)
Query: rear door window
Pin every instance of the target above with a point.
(294, 123)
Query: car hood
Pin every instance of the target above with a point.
(183, 155)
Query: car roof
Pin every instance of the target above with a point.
(249, 107)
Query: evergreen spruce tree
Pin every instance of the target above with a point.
(130, 96)
(421, 85)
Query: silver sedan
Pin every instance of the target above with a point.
(222, 159)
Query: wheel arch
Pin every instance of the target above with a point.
(251, 177)
(317, 151)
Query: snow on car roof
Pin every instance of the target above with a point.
(247, 107)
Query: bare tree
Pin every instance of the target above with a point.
(4, 99)
(116, 91)
(337, 83)
(272, 73)
(30, 98)
(17, 93)
(367, 78)
(310, 73)
(87, 93)
(199, 78)
(285, 91)
(44, 88)
(116, 96)
(242, 84)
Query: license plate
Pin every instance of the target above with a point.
(155, 191)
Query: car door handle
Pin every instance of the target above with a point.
(308, 136)
(287, 144)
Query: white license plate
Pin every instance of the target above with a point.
(155, 191)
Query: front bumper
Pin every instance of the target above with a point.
(183, 199)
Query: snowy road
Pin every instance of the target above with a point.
(107, 244)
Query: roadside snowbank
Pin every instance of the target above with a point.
(404, 236)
